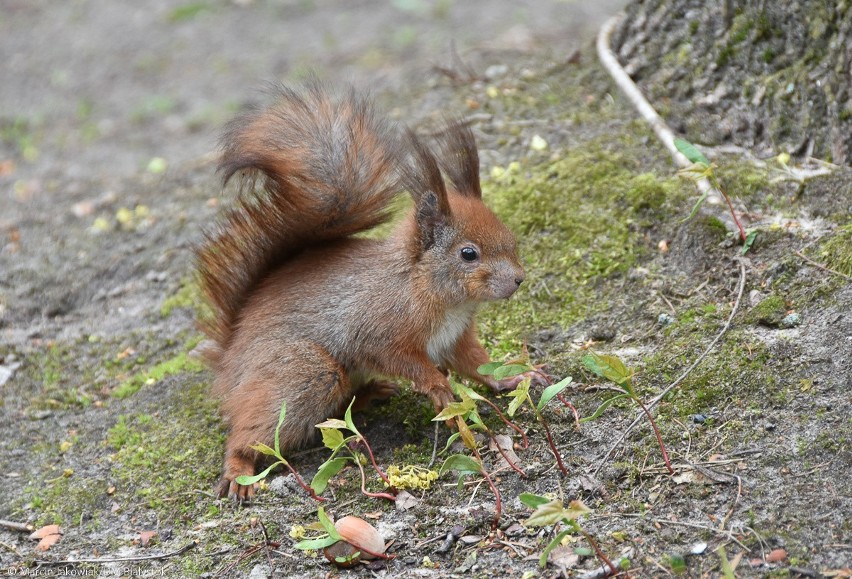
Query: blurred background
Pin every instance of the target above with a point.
(95, 89)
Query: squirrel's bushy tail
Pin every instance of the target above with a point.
(317, 168)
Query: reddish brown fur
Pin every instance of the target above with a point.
(308, 315)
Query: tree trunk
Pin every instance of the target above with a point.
(772, 76)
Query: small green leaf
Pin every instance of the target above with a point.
(519, 395)
(749, 241)
(604, 405)
(316, 544)
(509, 370)
(246, 480)
(697, 206)
(727, 569)
(609, 367)
(677, 562)
(553, 512)
(324, 473)
(545, 514)
(464, 392)
(466, 434)
(347, 417)
(462, 463)
(327, 524)
(696, 172)
(576, 509)
(488, 369)
(332, 423)
(533, 501)
(453, 437)
(281, 416)
(332, 438)
(476, 420)
(690, 151)
(348, 558)
(454, 409)
(542, 561)
(263, 449)
(552, 391)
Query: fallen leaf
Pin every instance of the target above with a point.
(374, 515)
(146, 536)
(49, 535)
(776, 556)
(405, 501)
(505, 444)
(564, 556)
(45, 531)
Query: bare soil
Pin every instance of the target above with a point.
(107, 431)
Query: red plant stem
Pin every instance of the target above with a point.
(659, 437)
(574, 410)
(509, 423)
(600, 553)
(498, 501)
(376, 466)
(515, 467)
(731, 208)
(364, 482)
(303, 485)
(552, 444)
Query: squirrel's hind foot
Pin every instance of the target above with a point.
(374, 390)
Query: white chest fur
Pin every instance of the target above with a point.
(448, 333)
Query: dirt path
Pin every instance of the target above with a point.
(109, 113)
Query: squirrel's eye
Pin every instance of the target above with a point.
(469, 254)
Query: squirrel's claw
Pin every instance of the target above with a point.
(235, 492)
(537, 378)
(441, 397)
(236, 465)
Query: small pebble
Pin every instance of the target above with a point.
(791, 320)
(664, 319)
(699, 418)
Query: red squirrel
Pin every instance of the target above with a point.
(306, 312)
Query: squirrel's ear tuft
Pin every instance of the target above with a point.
(459, 158)
(422, 177)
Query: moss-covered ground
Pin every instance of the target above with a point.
(120, 435)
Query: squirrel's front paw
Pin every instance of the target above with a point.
(228, 485)
(441, 396)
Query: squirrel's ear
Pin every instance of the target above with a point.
(459, 158)
(422, 177)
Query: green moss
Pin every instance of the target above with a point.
(187, 296)
(169, 453)
(742, 179)
(158, 457)
(769, 312)
(65, 498)
(836, 252)
(177, 365)
(63, 385)
(187, 11)
(578, 221)
(714, 225)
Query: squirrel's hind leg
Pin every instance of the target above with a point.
(305, 377)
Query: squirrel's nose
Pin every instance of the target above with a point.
(519, 280)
